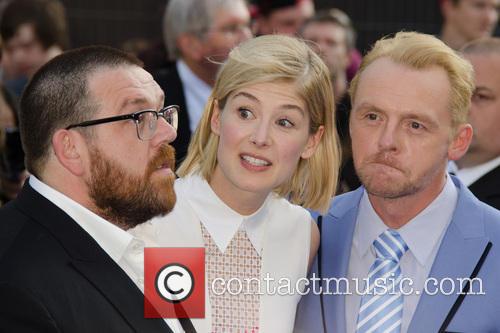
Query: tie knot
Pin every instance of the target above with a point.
(390, 245)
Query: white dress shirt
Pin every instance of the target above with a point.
(469, 175)
(279, 231)
(423, 235)
(196, 92)
(221, 221)
(126, 250)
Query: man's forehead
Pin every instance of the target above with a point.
(126, 85)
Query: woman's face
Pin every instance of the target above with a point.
(263, 132)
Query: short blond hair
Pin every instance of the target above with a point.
(275, 58)
(421, 51)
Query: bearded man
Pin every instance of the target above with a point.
(96, 136)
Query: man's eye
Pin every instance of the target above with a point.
(285, 123)
(416, 126)
(372, 116)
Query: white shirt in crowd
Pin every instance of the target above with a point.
(469, 175)
(196, 92)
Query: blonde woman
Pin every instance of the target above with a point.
(266, 145)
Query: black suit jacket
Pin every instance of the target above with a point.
(487, 188)
(54, 277)
(170, 82)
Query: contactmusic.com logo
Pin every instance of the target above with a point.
(174, 282)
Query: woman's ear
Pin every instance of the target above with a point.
(68, 147)
(313, 142)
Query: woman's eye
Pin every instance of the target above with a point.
(245, 113)
(285, 123)
(372, 116)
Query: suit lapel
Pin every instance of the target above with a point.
(120, 291)
(461, 248)
(336, 237)
(89, 259)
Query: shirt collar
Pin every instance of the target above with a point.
(421, 234)
(220, 220)
(469, 175)
(192, 81)
(112, 239)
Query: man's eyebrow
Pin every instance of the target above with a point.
(133, 102)
(140, 102)
(367, 106)
(482, 88)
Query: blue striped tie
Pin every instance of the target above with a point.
(381, 307)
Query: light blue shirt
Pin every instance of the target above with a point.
(196, 92)
(423, 235)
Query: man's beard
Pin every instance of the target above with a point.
(126, 199)
(407, 184)
(385, 188)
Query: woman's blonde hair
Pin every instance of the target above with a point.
(277, 58)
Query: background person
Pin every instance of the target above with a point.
(284, 17)
(329, 31)
(267, 134)
(33, 32)
(479, 168)
(466, 20)
(198, 35)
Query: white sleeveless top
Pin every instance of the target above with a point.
(279, 232)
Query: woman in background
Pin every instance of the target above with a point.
(265, 145)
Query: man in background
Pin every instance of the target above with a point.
(479, 168)
(199, 35)
(466, 20)
(329, 32)
(281, 16)
(33, 32)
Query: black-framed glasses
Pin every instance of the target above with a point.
(146, 121)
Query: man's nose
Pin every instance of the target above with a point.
(389, 137)
(164, 132)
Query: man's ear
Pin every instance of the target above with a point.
(460, 142)
(190, 46)
(69, 148)
(446, 8)
(313, 142)
(215, 119)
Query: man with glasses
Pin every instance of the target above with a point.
(199, 35)
(96, 136)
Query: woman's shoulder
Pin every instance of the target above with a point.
(289, 212)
